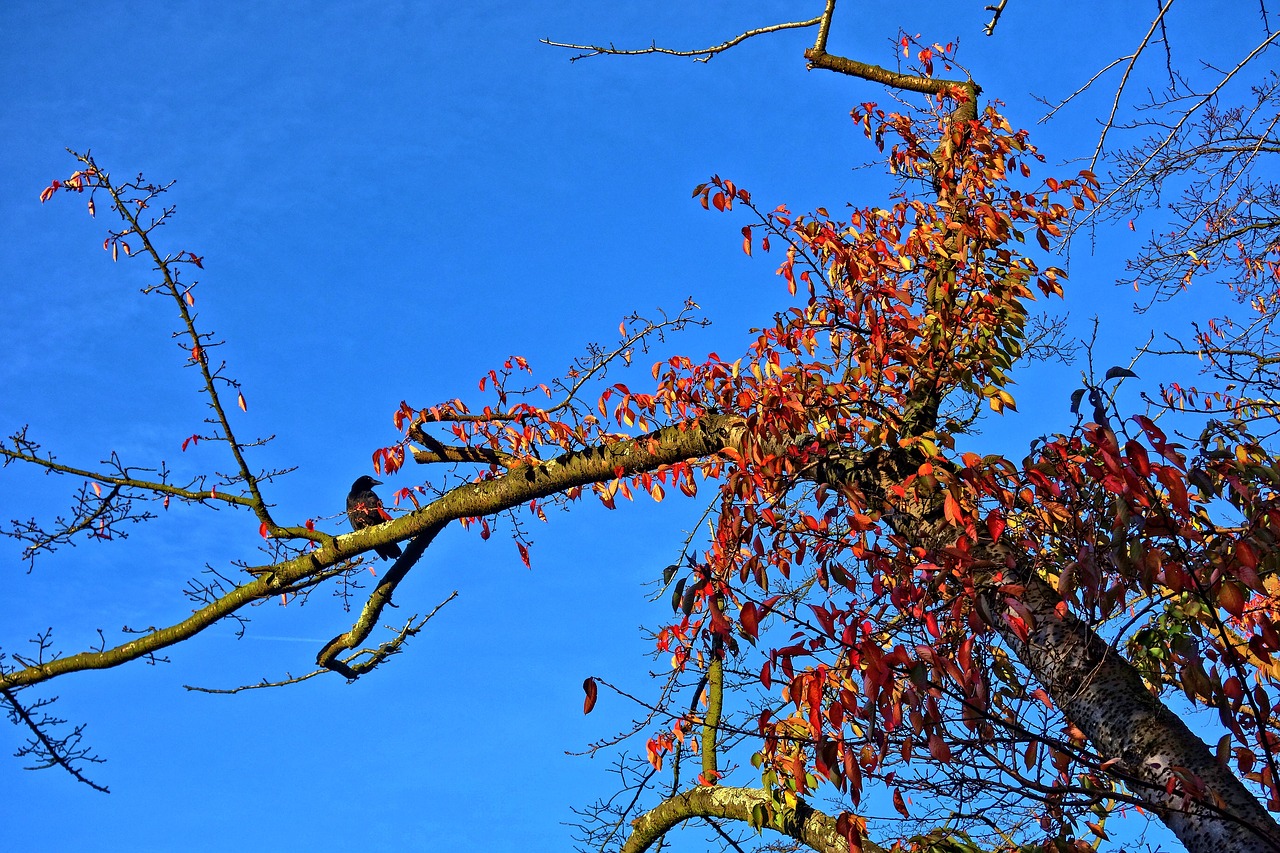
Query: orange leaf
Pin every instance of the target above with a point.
(590, 702)
(240, 402)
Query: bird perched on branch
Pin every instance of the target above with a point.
(364, 509)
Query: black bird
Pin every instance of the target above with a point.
(364, 509)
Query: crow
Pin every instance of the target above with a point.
(364, 509)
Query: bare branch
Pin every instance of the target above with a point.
(51, 750)
(1106, 126)
(701, 55)
(351, 663)
(996, 11)
(378, 599)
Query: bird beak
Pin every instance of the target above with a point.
(376, 482)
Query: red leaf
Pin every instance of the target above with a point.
(1231, 599)
(524, 554)
(262, 530)
(749, 617)
(718, 201)
(899, 804)
(590, 702)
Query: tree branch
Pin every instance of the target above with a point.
(701, 55)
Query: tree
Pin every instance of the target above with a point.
(927, 618)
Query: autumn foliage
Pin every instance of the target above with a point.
(869, 596)
(874, 586)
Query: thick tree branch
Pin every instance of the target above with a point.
(805, 824)
(689, 440)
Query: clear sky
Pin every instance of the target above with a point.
(391, 197)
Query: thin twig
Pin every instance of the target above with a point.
(1115, 106)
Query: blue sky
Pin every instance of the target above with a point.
(392, 197)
